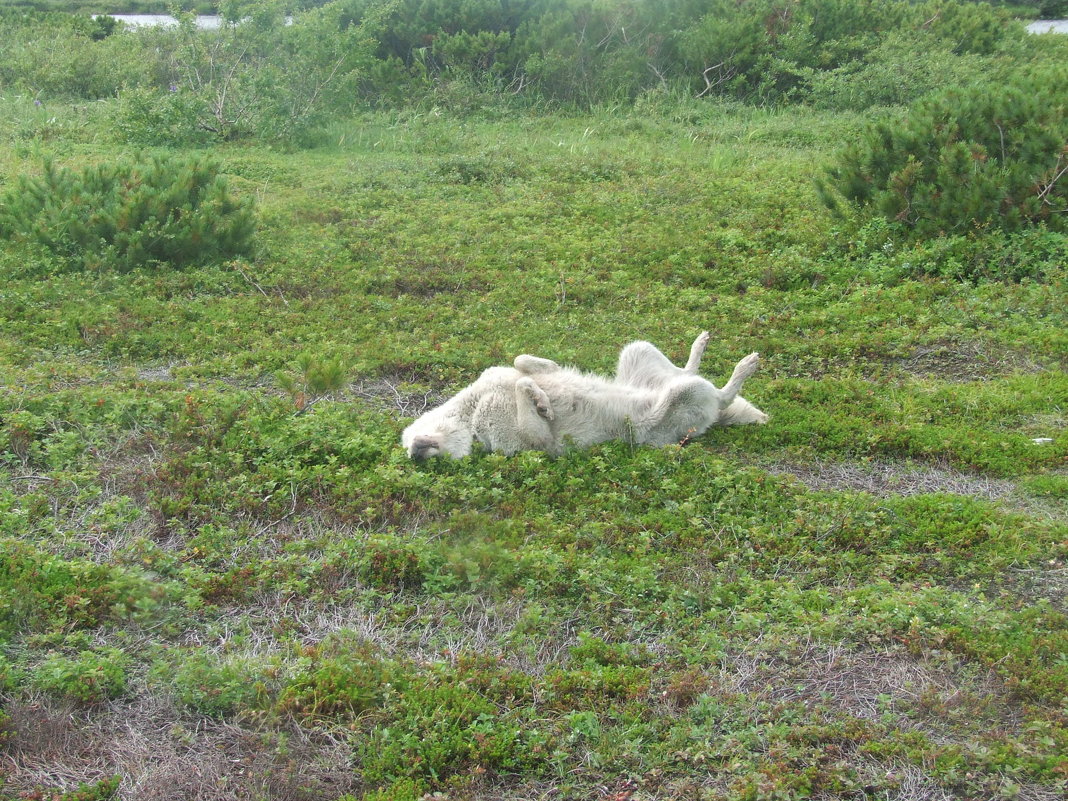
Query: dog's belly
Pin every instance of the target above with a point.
(592, 410)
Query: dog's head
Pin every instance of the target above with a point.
(424, 446)
(428, 437)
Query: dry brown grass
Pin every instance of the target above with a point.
(888, 477)
(971, 360)
(161, 754)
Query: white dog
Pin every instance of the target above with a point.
(539, 405)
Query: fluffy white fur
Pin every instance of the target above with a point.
(539, 405)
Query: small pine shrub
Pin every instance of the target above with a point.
(982, 157)
(316, 378)
(174, 210)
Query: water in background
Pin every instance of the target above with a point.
(208, 22)
(1048, 26)
(212, 22)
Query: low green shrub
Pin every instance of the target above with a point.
(339, 680)
(1047, 486)
(94, 675)
(211, 685)
(7, 731)
(176, 210)
(41, 592)
(438, 729)
(388, 562)
(594, 650)
(966, 160)
(102, 790)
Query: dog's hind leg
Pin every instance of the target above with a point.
(641, 364)
(534, 411)
(682, 410)
(697, 350)
(534, 365)
(745, 368)
(741, 413)
(531, 397)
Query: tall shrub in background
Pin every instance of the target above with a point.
(257, 76)
(770, 49)
(979, 157)
(56, 55)
(175, 210)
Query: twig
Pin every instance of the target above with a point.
(248, 278)
(287, 515)
(657, 73)
(725, 75)
(1046, 189)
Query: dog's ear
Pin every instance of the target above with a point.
(424, 446)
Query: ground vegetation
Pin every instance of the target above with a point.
(221, 577)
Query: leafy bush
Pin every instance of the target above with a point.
(176, 210)
(339, 681)
(92, 676)
(65, 55)
(388, 562)
(39, 591)
(582, 53)
(256, 76)
(212, 686)
(967, 159)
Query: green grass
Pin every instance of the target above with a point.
(191, 552)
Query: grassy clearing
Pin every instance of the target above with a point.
(202, 589)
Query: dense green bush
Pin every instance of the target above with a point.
(448, 722)
(968, 159)
(579, 52)
(94, 675)
(259, 76)
(175, 210)
(898, 71)
(255, 76)
(57, 55)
